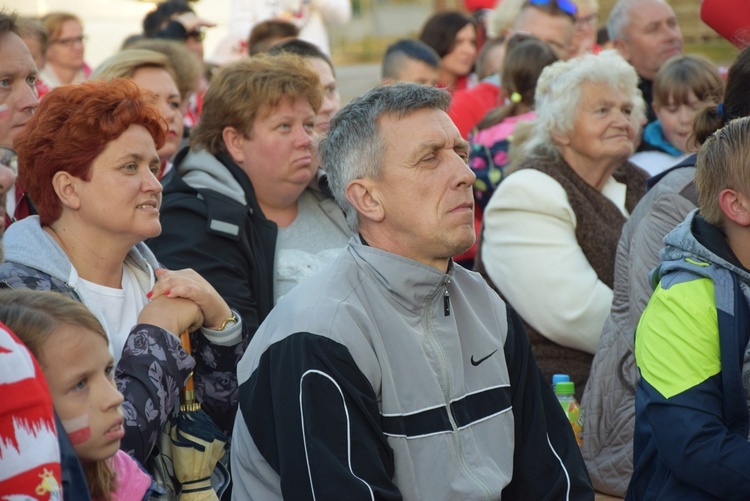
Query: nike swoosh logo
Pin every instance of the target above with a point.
(477, 362)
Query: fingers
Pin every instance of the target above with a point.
(188, 284)
(167, 279)
(175, 315)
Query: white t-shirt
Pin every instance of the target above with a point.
(304, 247)
(119, 307)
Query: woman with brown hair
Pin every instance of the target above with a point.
(454, 37)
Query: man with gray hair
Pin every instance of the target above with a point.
(393, 373)
(646, 33)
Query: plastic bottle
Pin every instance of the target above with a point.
(559, 378)
(565, 391)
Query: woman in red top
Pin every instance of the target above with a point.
(454, 37)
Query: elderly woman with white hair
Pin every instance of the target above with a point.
(552, 226)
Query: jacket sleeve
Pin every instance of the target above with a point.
(215, 377)
(679, 399)
(152, 370)
(314, 420)
(547, 462)
(647, 241)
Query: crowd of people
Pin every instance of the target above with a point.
(370, 301)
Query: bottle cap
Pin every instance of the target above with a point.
(565, 388)
(559, 378)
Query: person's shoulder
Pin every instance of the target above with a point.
(669, 342)
(484, 94)
(675, 181)
(530, 189)
(19, 276)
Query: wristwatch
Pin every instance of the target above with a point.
(232, 319)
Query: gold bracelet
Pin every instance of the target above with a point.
(232, 319)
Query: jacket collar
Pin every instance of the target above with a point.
(412, 284)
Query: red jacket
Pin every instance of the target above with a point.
(469, 106)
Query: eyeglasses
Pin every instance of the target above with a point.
(70, 42)
(195, 35)
(567, 6)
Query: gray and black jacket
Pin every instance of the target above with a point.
(383, 378)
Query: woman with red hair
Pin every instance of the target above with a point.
(90, 158)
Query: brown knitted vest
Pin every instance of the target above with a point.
(598, 228)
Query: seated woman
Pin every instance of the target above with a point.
(239, 207)
(682, 87)
(151, 71)
(552, 227)
(92, 151)
(454, 37)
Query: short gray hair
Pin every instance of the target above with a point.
(353, 148)
(558, 95)
(619, 18)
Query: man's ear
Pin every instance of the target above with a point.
(233, 140)
(622, 48)
(735, 206)
(363, 194)
(66, 188)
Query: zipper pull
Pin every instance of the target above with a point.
(446, 301)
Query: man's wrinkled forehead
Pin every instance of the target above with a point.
(647, 15)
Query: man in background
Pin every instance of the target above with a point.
(646, 33)
(17, 103)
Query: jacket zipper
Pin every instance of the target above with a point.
(446, 299)
(446, 386)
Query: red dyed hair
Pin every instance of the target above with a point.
(72, 126)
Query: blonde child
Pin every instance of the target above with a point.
(72, 350)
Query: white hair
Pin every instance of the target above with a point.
(558, 95)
